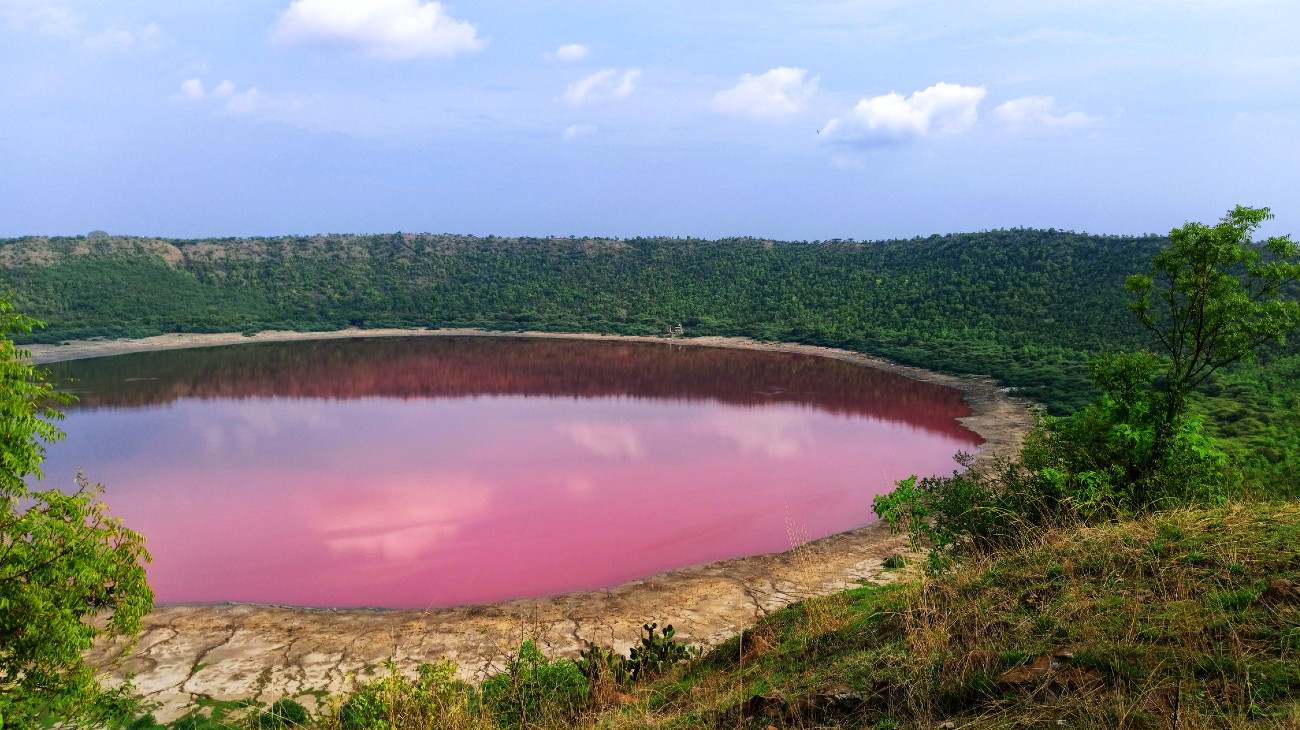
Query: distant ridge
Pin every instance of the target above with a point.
(1026, 306)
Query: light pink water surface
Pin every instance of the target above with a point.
(416, 501)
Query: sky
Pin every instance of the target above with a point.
(810, 120)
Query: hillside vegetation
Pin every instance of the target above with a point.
(1022, 305)
(1187, 619)
(1029, 307)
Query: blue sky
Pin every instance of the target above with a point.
(794, 120)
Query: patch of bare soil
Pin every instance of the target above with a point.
(238, 651)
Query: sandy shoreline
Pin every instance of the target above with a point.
(237, 651)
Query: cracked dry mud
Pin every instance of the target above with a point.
(237, 651)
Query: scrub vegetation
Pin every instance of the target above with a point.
(1126, 569)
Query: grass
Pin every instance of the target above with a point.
(1163, 622)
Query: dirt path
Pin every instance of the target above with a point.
(236, 651)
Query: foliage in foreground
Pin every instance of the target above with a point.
(63, 562)
(531, 690)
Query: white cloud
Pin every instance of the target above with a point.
(237, 102)
(574, 131)
(49, 18)
(940, 109)
(778, 92)
(1039, 111)
(602, 85)
(192, 89)
(388, 29)
(571, 52)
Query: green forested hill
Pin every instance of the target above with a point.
(1029, 307)
(1024, 305)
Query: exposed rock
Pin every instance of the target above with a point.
(1073, 681)
(1025, 676)
(1054, 672)
(832, 701)
(1280, 591)
(770, 705)
(817, 706)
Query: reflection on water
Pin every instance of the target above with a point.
(432, 472)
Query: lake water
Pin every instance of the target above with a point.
(424, 472)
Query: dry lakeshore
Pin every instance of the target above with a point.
(236, 651)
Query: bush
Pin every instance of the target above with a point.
(284, 713)
(435, 698)
(603, 666)
(144, 722)
(1101, 464)
(533, 689)
(657, 652)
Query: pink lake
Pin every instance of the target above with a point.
(426, 472)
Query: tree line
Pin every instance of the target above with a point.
(1029, 307)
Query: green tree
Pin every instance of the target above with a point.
(1212, 299)
(69, 573)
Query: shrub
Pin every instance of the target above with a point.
(534, 689)
(600, 666)
(435, 698)
(284, 713)
(1091, 467)
(657, 652)
(144, 722)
